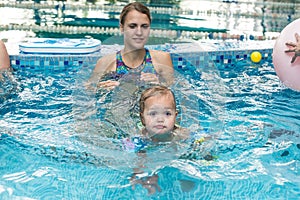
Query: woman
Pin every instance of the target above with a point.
(153, 66)
(4, 57)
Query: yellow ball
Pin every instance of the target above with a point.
(255, 57)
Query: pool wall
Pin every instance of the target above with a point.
(201, 53)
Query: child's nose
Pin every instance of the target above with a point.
(160, 118)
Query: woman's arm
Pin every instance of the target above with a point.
(104, 65)
(163, 65)
(4, 57)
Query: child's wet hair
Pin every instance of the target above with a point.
(154, 91)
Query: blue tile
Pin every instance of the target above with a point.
(183, 56)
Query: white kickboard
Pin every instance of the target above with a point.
(60, 46)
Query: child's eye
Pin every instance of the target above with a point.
(152, 113)
(168, 113)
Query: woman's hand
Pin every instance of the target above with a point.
(150, 78)
(294, 47)
(109, 84)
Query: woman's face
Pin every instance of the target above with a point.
(136, 30)
(159, 115)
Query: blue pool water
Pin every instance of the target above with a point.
(54, 140)
(54, 145)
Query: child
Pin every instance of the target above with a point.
(158, 116)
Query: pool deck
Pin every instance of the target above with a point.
(221, 52)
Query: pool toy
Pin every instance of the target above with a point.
(288, 73)
(60, 46)
(255, 56)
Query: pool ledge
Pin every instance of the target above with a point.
(222, 53)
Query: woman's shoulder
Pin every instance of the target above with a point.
(159, 53)
(161, 58)
(106, 62)
(108, 58)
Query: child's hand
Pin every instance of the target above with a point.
(109, 84)
(150, 183)
(149, 77)
(294, 47)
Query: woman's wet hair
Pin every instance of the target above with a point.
(134, 6)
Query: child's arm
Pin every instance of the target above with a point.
(148, 182)
(201, 146)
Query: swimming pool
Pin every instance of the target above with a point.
(255, 118)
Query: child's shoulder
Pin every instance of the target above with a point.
(181, 133)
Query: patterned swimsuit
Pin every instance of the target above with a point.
(146, 66)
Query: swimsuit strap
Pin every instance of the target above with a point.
(121, 67)
(146, 66)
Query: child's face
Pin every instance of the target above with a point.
(159, 115)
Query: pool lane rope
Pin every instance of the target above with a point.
(171, 34)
